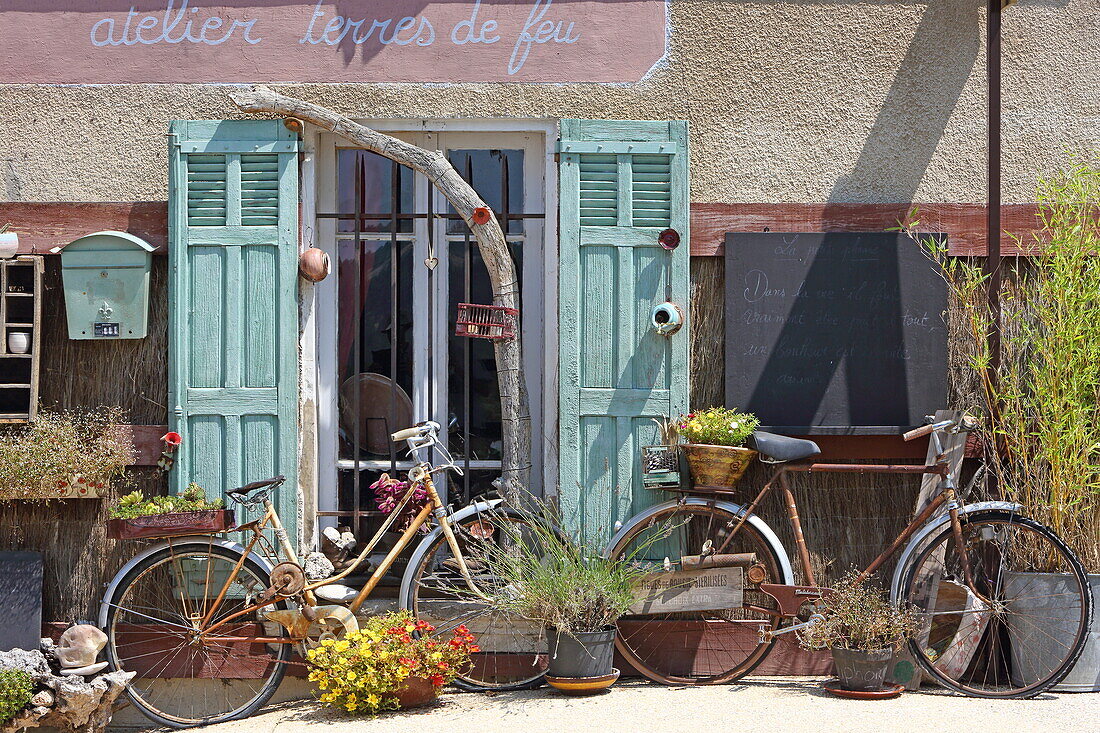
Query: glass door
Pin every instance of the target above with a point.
(404, 260)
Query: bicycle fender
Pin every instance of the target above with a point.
(935, 525)
(174, 542)
(426, 543)
(736, 509)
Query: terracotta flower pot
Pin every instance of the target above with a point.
(417, 691)
(716, 466)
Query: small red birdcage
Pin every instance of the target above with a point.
(486, 321)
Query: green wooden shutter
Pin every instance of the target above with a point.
(622, 183)
(233, 299)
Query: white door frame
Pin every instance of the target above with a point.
(319, 324)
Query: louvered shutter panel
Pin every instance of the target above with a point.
(233, 323)
(621, 184)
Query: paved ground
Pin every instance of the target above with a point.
(764, 704)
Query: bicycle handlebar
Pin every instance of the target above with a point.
(407, 433)
(918, 432)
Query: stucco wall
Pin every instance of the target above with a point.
(789, 101)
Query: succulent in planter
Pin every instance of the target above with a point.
(193, 499)
(863, 631)
(714, 442)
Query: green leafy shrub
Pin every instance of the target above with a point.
(193, 499)
(42, 459)
(858, 616)
(717, 426)
(16, 689)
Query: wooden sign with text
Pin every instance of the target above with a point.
(713, 589)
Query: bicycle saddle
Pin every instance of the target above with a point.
(256, 486)
(781, 448)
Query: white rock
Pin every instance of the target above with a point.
(86, 670)
(80, 645)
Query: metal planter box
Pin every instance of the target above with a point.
(106, 279)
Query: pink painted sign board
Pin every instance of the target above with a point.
(222, 41)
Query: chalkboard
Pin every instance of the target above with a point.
(838, 333)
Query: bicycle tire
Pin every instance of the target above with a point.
(122, 612)
(430, 579)
(649, 654)
(996, 642)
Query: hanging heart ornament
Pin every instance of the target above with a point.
(431, 262)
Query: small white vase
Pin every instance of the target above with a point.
(9, 245)
(19, 342)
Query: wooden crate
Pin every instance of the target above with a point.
(20, 311)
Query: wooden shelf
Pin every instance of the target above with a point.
(19, 372)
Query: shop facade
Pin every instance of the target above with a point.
(580, 117)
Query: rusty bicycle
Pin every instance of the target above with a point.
(1004, 605)
(210, 626)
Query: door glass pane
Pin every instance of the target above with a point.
(378, 190)
(487, 171)
(367, 342)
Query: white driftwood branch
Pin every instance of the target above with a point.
(514, 408)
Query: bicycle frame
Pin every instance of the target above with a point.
(432, 507)
(791, 597)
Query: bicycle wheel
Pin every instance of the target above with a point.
(186, 678)
(701, 647)
(1026, 625)
(512, 652)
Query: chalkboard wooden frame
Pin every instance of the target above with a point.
(798, 305)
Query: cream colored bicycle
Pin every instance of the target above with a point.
(210, 626)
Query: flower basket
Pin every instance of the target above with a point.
(172, 524)
(716, 466)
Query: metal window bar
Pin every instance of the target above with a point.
(361, 218)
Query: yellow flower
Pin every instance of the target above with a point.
(341, 646)
(322, 684)
(373, 700)
(351, 676)
(328, 642)
(351, 706)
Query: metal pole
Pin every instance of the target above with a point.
(993, 206)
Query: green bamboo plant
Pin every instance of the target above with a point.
(1042, 403)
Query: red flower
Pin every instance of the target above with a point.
(462, 630)
(474, 648)
(443, 665)
(172, 439)
(437, 680)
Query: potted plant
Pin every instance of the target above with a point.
(862, 630)
(1042, 408)
(392, 662)
(713, 445)
(576, 594)
(135, 517)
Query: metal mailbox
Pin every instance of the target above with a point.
(106, 280)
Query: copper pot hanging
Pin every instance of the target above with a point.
(313, 264)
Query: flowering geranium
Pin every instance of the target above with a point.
(363, 672)
(717, 426)
(388, 493)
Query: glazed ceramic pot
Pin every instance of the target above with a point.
(584, 654)
(19, 342)
(716, 466)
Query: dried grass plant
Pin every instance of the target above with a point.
(60, 447)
